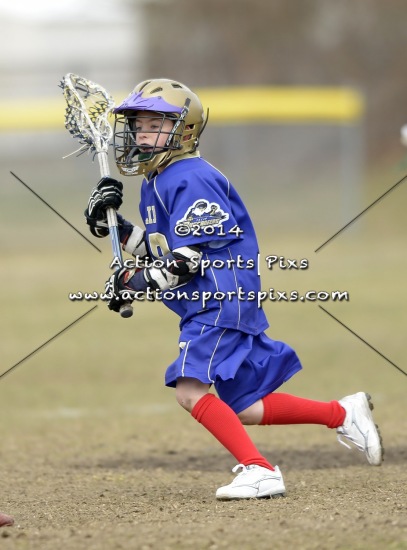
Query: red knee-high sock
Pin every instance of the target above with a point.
(224, 424)
(282, 408)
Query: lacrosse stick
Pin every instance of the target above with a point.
(88, 106)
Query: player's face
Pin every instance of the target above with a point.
(151, 132)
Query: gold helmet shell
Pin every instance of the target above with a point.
(169, 100)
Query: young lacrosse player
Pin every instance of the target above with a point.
(199, 251)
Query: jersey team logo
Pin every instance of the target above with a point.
(200, 215)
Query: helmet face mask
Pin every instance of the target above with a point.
(178, 119)
(131, 156)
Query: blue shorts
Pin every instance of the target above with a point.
(242, 367)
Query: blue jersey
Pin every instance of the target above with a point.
(192, 203)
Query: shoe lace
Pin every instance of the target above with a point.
(245, 469)
(236, 468)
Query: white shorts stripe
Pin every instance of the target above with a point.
(185, 356)
(213, 355)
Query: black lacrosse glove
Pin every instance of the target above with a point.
(107, 194)
(112, 192)
(115, 285)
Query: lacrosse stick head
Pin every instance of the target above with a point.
(86, 116)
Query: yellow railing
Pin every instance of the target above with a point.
(229, 105)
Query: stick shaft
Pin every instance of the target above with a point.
(126, 310)
(103, 164)
(111, 213)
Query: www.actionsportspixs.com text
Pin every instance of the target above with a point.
(205, 297)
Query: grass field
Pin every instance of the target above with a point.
(95, 452)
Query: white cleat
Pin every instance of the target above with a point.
(359, 427)
(253, 482)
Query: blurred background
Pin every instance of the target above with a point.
(229, 43)
(303, 177)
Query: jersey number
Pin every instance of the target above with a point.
(158, 244)
(151, 215)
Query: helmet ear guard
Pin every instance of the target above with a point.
(179, 121)
(168, 100)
